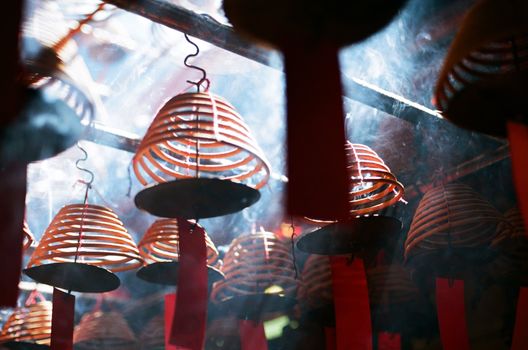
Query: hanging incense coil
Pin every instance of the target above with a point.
(223, 333)
(482, 83)
(452, 218)
(390, 285)
(160, 250)
(29, 324)
(316, 288)
(256, 266)
(28, 236)
(153, 335)
(203, 126)
(104, 331)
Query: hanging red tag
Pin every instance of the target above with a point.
(188, 327)
(351, 303)
(518, 137)
(13, 192)
(330, 338)
(170, 306)
(317, 166)
(389, 341)
(451, 314)
(520, 333)
(62, 320)
(252, 336)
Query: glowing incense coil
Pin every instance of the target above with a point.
(29, 324)
(91, 236)
(316, 288)
(153, 335)
(104, 331)
(202, 124)
(256, 266)
(28, 236)
(452, 218)
(390, 285)
(372, 185)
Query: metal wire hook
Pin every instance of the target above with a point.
(84, 159)
(204, 73)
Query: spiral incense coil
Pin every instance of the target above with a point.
(30, 324)
(88, 234)
(103, 331)
(390, 285)
(161, 242)
(372, 185)
(257, 263)
(316, 287)
(153, 335)
(199, 134)
(28, 236)
(451, 216)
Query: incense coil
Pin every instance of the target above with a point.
(103, 331)
(203, 126)
(29, 324)
(372, 185)
(255, 264)
(451, 216)
(390, 285)
(316, 288)
(161, 242)
(153, 335)
(104, 241)
(28, 236)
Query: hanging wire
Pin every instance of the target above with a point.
(84, 159)
(292, 240)
(204, 79)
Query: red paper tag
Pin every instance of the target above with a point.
(330, 338)
(13, 192)
(351, 303)
(62, 320)
(252, 336)
(518, 137)
(452, 314)
(520, 333)
(389, 341)
(188, 327)
(170, 306)
(318, 183)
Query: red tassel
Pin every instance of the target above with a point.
(330, 338)
(452, 314)
(252, 336)
(170, 306)
(13, 192)
(520, 333)
(188, 328)
(62, 320)
(389, 341)
(318, 178)
(518, 137)
(351, 303)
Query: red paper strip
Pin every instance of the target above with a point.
(351, 303)
(188, 328)
(62, 320)
(452, 314)
(13, 194)
(389, 341)
(330, 338)
(518, 137)
(252, 336)
(520, 333)
(170, 307)
(318, 183)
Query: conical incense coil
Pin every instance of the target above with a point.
(256, 264)
(153, 335)
(451, 216)
(89, 234)
(199, 134)
(161, 243)
(316, 287)
(103, 331)
(28, 236)
(390, 285)
(372, 185)
(31, 324)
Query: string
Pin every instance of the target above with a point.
(204, 79)
(292, 240)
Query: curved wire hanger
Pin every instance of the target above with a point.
(89, 172)
(204, 79)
